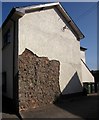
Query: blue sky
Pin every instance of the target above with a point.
(84, 14)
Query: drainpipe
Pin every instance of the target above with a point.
(18, 15)
(14, 80)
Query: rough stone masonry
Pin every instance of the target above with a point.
(38, 80)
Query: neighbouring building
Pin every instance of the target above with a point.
(86, 73)
(95, 73)
(44, 30)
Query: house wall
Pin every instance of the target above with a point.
(86, 74)
(0, 64)
(38, 81)
(7, 60)
(83, 55)
(42, 32)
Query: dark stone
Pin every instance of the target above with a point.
(38, 80)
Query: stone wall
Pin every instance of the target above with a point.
(38, 80)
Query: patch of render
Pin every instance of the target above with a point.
(38, 80)
(47, 38)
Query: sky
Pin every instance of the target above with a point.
(84, 14)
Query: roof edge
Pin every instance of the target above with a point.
(71, 23)
(13, 12)
(22, 10)
(82, 48)
(34, 7)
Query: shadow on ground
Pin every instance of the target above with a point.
(8, 109)
(85, 107)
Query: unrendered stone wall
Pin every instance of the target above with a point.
(38, 80)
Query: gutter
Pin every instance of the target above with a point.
(79, 35)
(20, 11)
(38, 7)
(8, 17)
(14, 14)
(71, 23)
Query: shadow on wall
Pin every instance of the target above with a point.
(74, 85)
(76, 102)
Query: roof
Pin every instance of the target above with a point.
(20, 11)
(14, 14)
(83, 49)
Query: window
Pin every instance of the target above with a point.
(4, 81)
(6, 39)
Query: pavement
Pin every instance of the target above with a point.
(9, 116)
(83, 107)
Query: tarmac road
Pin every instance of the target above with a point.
(78, 107)
(82, 107)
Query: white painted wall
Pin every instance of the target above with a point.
(86, 74)
(83, 55)
(42, 33)
(7, 60)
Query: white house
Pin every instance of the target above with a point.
(46, 30)
(86, 73)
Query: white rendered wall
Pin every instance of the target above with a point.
(86, 74)
(83, 56)
(42, 32)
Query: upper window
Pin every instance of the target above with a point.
(6, 39)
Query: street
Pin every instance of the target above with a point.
(82, 107)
